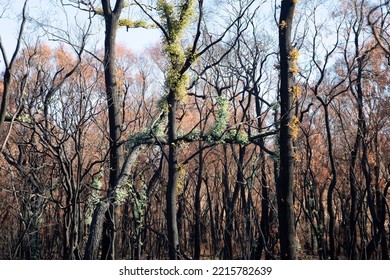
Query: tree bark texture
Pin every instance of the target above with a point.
(173, 234)
(285, 187)
(111, 18)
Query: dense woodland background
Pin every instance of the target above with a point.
(254, 130)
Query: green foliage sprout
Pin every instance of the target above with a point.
(239, 137)
(138, 202)
(222, 118)
(95, 196)
(125, 22)
(134, 24)
(156, 130)
(174, 20)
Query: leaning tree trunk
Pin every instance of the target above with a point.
(95, 231)
(98, 217)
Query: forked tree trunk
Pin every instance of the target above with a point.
(9, 67)
(98, 217)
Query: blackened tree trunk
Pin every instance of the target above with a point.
(95, 231)
(332, 184)
(98, 218)
(285, 186)
(262, 240)
(173, 233)
(381, 200)
(263, 237)
(352, 252)
(197, 207)
(9, 67)
(213, 214)
(358, 139)
(229, 204)
(227, 234)
(174, 20)
(111, 18)
(245, 202)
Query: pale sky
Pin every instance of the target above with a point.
(10, 12)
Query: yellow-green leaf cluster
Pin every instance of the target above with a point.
(239, 137)
(178, 83)
(176, 54)
(283, 24)
(125, 22)
(293, 56)
(294, 126)
(296, 92)
(181, 177)
(133, 24)
(175, 19)
(221, 119)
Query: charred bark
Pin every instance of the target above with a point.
(285, 186)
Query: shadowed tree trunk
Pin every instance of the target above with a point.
(95, 231)
(197, 207)
(229, 204)
(332, 184)
(9, 67)
(173, 234)
(98, 218)
(262, 240)
(111, 19)
(285, 186)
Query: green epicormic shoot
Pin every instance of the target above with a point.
(221, 120)
(96, 189)
(174, 19)
(126, 22)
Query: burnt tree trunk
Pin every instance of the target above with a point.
(197, 207)
(285, 186)
(111, 18)
(98, 217)
(332, 184)
(173, 234)
(9, 67)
